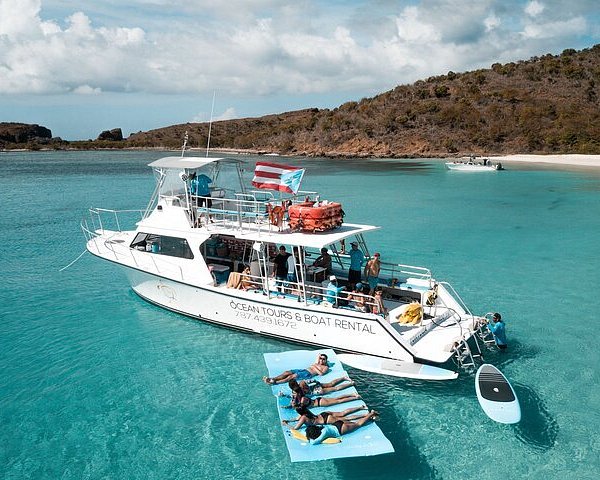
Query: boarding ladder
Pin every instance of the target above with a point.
(465, 356)
(484, 333)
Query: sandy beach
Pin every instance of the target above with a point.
(572, 159)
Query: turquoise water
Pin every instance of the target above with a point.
(96, 383)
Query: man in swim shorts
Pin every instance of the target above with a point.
(320, 367)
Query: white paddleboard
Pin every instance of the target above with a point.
(496, 396)
(396, 368)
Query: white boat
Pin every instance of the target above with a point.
(472, 164)
(187, 259)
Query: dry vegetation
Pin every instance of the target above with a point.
(548, 104)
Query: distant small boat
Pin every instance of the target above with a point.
(472, 164)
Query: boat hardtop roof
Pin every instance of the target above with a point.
(302, 239)
(253, 233)
(189, 162)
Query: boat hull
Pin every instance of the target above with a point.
(286, 318)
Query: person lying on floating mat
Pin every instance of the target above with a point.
(301, 400)
(320, 367)
(324, 418)
(314, 387)
(318, 434)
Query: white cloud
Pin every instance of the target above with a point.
(268, 47)
(228, 114)
(87, 90)
(534, 8)
(491, 22)
(550, 29)
(203, 117)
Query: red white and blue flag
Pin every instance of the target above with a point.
(272, 176)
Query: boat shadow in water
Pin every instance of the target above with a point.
(516, 352)
(407, 457)
(537, 427)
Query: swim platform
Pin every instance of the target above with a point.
(366, 441)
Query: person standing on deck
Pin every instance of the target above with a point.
(498, 329)
(372, 270)
(280, 267)
(199, 187)
(356, 260)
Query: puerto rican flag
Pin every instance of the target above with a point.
(272, 176)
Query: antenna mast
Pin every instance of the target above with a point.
(210, 123)
(185, 140)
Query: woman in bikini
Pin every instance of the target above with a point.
(309, 418)
(299, 399)
(316, 434)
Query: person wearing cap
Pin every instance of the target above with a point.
(323, 261)
(356, 260)
(372, 270)
(498, 329)
(332, 290)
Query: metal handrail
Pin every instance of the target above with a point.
(455, 294)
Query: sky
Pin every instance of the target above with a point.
(81, 67)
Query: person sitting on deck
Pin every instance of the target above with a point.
(246, 283)
(320, 367)
(333, 290)
(357, 299)
(323, 261)
(316, 434)
(379, 307)
(309, 418)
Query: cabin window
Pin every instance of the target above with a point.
(162, 245)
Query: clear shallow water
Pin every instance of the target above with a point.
(96, 383)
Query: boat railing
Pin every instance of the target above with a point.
(401, 272)
(309, 293)
(457, 297)
(249, 210)
(395, 273)
(107, 219)
(120, 250)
